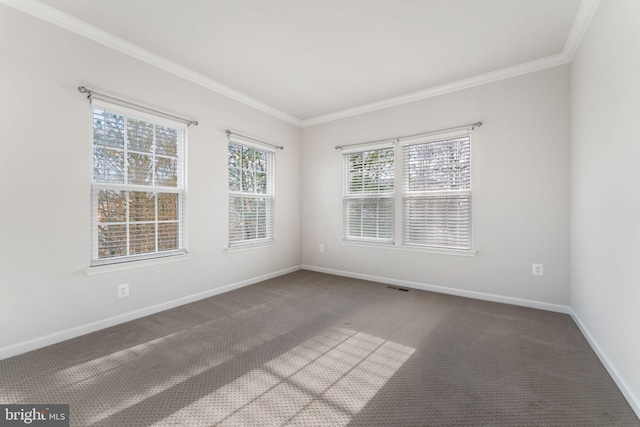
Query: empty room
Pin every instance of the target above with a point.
(330, 213)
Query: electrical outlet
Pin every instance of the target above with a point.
(321, 247)
(123, 290)
(538, 269)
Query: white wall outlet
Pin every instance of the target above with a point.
(538, 269)
(321, 247)
(123, 290)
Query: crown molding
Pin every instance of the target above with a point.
(54, 16)
(579, 27)
(65, 21)
(482, 79)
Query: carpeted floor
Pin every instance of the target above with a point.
(311, 349)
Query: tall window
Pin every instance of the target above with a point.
(436, 198)
(368, 195)
(138, 186)
(251, 194)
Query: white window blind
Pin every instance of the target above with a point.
(368, 195)
(436, 199)
(251, 193)
(138, 186)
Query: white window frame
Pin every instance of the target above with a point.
(180, 189)
(264, 230)
(454, 231)
(379, 228)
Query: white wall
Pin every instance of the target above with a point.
(45, 166)
(520, 190)
(605, 202)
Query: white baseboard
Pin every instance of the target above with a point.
(444, 290)
(631, 397)
(56, 337)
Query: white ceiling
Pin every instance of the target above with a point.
(311, 61)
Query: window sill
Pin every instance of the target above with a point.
(109, 268)
(393, 247)
(249, 246)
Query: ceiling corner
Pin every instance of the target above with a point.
(579, 27)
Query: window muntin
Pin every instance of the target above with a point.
(436, 199)
(251, 194)
(138, 185)
(369, 195)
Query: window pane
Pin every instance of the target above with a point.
(235, 178)
(443, 221)
(260, 164)
(112, 206)
(166, 172)
(371, 171)
(142, 206)
(261, 183)
(248, 158)
(108, 165)
(167, 236)
(142, 238)
(249, 218)
(440, 165)
(248, 181)
(234, 156)
(369, 218)
(139, 135)
(112, 241)
(140, 169)
(167, 207)
(166, 141)
(108, 129)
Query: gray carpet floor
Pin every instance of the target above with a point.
(310, 349)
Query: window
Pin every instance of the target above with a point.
(251, 193)
(436, 198)
(138, 185)
(368, 195)
(434, 206)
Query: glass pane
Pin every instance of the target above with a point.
(234, 156)
(167, 207)
(260, 163)
(112, 241)
(234, 179)
(108, 165)
(248, 181)
(142, 206)
(248, 158)
(108, 129)
(261, 183)
(166, 141)
(142, 238)
(371, 171)
(112, 206)
(440, 165)
(166, 172)
(139, 135)
(140, 169)
(168, 236)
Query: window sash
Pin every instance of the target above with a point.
(251, 194)
(138, 185)
(436, 199)
(369, 181)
